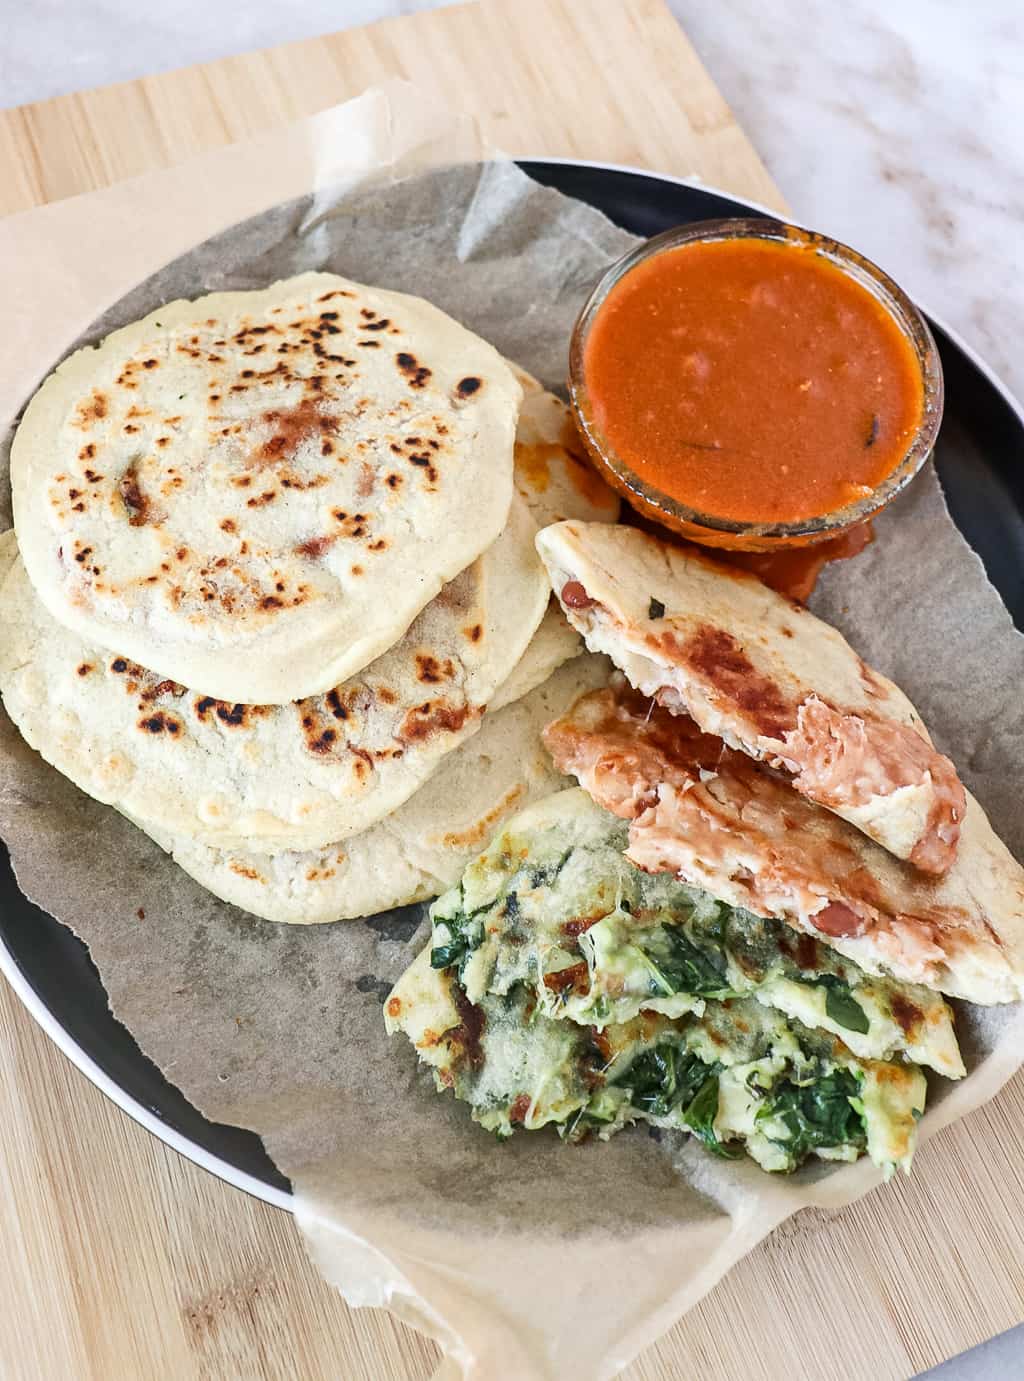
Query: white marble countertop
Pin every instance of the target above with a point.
(896, 127)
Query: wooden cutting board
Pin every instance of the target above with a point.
(121, 1259)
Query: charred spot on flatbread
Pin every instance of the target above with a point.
(160, 722)
(721, 661)
(210, 711)
(430, 670)
(434, 717)
(416, 374)
(135, 500)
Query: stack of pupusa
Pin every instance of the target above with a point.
(277, 598)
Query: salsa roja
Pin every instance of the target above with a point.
(752, 380)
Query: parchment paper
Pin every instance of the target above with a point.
(531, 1259)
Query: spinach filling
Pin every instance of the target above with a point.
(532, 1070)
(606, 995)
(826, 1112)
(842, 1006)
(690, 945)
(678, 966)
(454, 939)
(671, 1083)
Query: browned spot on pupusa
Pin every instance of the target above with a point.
(319, 736)
(873, 684)
(483, 827)
(206, 709)
(337, 706)
(158, 688)
(371, 321)
(244, 871)
(353, 525)
(416, 374)
(291, 427)
(721, 662)
(161, 723)
(136, 678)
(426, 464)
(906, 1015)
(136, 504)
(315, 547)
(366, 482)
(469, 1033)
(434, 717)
(93, 409)
(430, 670)
(468, 387)
(362, 761)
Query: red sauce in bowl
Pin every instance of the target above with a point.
(752, 379)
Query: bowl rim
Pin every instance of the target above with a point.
(857, 266)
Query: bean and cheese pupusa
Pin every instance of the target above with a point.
(766, 676)
(717, 819)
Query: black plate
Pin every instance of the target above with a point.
(983, 475)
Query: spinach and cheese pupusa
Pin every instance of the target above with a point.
(738, 1077)
(563, 985)
(554, 903)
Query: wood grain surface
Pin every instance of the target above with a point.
(121, 1259)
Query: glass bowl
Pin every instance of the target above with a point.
(709, 528)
